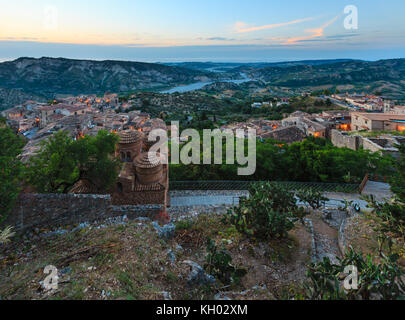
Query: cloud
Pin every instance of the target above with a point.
(315, 33)
(220, 39)
(338, 37)
(20, 38)
(241, 27)
(343, 36)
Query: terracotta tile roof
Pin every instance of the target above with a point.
(152, 187)
(130, 136)
(148, 160)
(380, 116)
(84, 187)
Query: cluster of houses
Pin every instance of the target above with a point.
(86, 115)
(297, 126)
(79, 116)
(366, 102)
(267, 104)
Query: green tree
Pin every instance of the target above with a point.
(11, 169)
(95, 161)
(53, 169)
(62, 162)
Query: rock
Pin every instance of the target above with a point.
(166, 295)
(179, 248)
(81, 226)
(171, 256)
(197, 275)
(221, 297)
(264, 287)
(65, 271)
(166, 232)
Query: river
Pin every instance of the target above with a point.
(200, 85)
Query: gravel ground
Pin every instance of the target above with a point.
(189, 212)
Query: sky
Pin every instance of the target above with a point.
(202, 30)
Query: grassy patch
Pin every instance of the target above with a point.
(131, 262)
(375, 134)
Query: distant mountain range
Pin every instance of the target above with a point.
(46, 77)
(234, 66)
(346, 72)
(385, 77)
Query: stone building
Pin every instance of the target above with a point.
(378, 121)
(306, 123)
(144, 178)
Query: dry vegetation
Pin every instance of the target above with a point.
(361, 234)
(131, 262)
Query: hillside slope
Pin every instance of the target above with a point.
(49, 76)
(335, 73)
(11, 97)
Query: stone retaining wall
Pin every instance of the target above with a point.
(48, 210)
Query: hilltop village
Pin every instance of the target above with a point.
(349, 114)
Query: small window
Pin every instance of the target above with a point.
(120, 187)
(128, 156)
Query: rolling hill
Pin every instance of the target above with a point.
(49, 76)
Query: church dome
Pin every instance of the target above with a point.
(148, 168)
(130, 136)
(148, 160)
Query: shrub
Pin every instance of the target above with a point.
(219, 264)
(375, 281)
(390, 216)
(312, 198)
(267, 213)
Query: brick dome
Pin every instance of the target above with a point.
(130, 136)
(148, 168)
(148, 144)
(148, 160)
(130, 145)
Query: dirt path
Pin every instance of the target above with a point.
(326, 239)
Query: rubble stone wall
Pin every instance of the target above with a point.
(49, 210)
(345, 141)
(372, 146)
